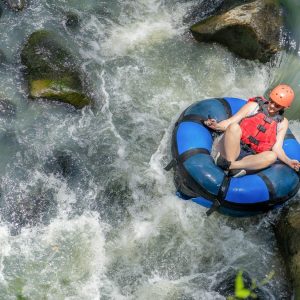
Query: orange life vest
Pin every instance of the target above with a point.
(259, 130)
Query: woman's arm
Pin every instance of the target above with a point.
(236, 118)
(277, 148)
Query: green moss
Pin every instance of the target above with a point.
(57, 90)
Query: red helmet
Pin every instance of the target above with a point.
(283, 95)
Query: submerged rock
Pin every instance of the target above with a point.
(16, 4)
(72, 20)
(288, 235)
(7, 109)
(52, 71)
(251, 30)
(62, 163)
(112, 203)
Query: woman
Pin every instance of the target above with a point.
(254, 136)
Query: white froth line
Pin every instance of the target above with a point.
(106, 109)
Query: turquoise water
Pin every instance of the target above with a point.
(87, 211)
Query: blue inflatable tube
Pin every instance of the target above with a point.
(197, 178)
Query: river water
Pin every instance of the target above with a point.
(87, 211)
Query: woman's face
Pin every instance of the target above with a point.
(273, 107)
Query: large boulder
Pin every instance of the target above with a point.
(251, 30)
(52, 71)
(288, 235)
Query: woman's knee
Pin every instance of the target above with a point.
(271, 157)
(235, 128)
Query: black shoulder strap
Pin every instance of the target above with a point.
(263, 107)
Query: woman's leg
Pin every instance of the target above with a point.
(230, 144)
(255, 162)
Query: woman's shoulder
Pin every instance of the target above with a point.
(252, 108)
(283, 125)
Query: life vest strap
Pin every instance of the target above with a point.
(261, 128)
(253, 140)
(268, 119)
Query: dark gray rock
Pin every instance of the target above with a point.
(287, 231)
(251, 30)
(52, 72)
(16, 4)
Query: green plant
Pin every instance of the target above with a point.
(241, 292)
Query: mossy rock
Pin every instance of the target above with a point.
(52, 71)
(57, 89)
(251, 30)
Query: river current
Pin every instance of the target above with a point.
(87, 211)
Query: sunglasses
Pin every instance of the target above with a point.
(278, 106)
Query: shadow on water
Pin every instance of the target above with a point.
(113, 201)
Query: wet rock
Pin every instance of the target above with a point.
(72, 21)
(288, 235)
(251, 30)
(16, 4)
(52, 71)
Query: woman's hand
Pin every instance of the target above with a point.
(294, 164)
(211, 123)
